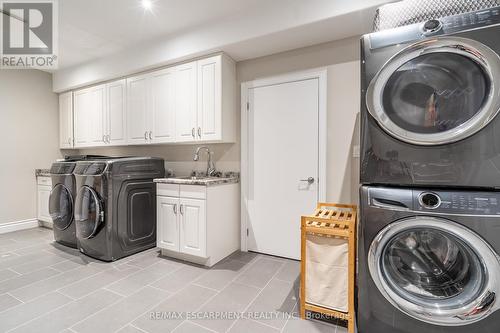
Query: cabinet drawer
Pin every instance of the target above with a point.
(193, 191)
(44, 181)
(167, 190)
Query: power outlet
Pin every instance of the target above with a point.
(355, 151)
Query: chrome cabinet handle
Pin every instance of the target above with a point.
(104, 138)
(309, 180)
(192, 132)
(108, 137)
(150, 135)
(69, 141)
(199, 132)
(175, 209)
(146, 135)
(181, 208)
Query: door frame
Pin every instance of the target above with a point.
(317, 73)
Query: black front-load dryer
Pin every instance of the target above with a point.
(115, 208)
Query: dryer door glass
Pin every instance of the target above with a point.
(88, 213)
(61, 207)
(435, 270)
(436, 91)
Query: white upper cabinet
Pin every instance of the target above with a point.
(100, 115)
(163, 91)
(66, 120)
(185, 102)
(97, 115)
(137, 109)
(192, 102)
(116, 113)
(210, 99)
(89, 107)
(82, 101)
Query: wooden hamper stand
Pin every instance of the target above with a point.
(337, 220)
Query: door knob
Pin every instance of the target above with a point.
(309, 180)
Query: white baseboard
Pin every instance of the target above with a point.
(18, 225)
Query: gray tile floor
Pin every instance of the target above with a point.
(48, 288)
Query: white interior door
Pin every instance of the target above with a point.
(282, 154)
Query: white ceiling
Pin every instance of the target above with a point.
(103, 39)
(92, 29)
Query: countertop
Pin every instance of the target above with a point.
(42, 172)
(211, 181)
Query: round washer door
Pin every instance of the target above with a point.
(61, 207)
(435, 270)
(436, 91)
(89, 213)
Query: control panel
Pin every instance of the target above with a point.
(457, 202)
(89, 168)
(436, 27)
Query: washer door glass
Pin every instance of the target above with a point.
(435, 270)
(424, 265)
(88, 213)
(436, 91)
(61, 207)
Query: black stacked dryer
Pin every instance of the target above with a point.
(115, 209)
(430, 172)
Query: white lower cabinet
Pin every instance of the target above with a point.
(168, 229)
(44, 188)
(192, 227)
(198, 223)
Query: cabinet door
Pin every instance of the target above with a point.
(96, 114)
(137, 109)
(66, 120)
(82, 101)
(167, 223)
(43, 203)
(209, 99)
(185, 104)
(163, 106)
(116, 130)
(193, 227)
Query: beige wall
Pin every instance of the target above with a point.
(29, 128)
(341, 58)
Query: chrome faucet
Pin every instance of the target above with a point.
(210, 163)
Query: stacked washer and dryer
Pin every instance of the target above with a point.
(429, 233)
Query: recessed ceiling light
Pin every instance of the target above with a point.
(147, 4)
